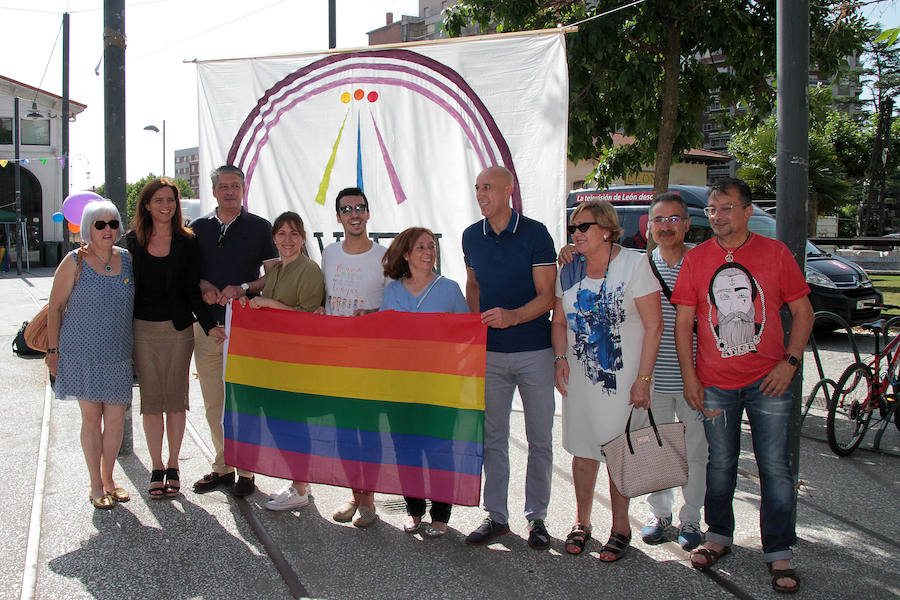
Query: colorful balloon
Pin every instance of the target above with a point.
(73, 206)
(74, 228)
(57, 217)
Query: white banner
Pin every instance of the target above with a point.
(413, 126)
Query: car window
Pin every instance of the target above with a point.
(762, 225)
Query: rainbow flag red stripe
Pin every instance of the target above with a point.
(390, 402)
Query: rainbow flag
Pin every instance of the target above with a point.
(391, 402)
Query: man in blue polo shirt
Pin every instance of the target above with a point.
(233, 245)
(511, 270)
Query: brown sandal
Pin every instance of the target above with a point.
(711, 556)
(784, 574)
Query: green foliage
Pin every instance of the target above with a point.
(616, 65)
(133, 190)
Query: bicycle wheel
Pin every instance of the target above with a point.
(847, 418)
(819, 397)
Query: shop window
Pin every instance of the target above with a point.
(6, 133)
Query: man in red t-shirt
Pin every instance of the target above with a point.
(734, 286)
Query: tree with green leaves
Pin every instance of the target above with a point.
(133, 190)
(647, 70)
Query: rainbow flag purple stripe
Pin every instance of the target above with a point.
(389, 402)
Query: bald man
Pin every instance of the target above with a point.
(511, 272)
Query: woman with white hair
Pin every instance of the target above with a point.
(89, 335)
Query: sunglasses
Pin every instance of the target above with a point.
(358, 208)
(101, 225)
(582, 227)
(222, 229)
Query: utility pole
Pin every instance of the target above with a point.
(65, 127)
(332, 24)
(114, 101)
(114, 133)
(17, 127)
(792, 164)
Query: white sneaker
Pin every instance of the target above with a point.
(288, 499)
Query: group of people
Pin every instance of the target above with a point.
(712, 348)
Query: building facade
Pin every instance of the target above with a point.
(41, 161)
(187, 167)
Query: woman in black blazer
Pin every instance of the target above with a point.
(166, 263)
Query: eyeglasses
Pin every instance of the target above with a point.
(674, 220)
(358, 208)
(582, 227)
(101, 225)
(710, 211)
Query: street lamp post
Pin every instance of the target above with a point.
(155, 129)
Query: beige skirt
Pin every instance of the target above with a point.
(162, 359)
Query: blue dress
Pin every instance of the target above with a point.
(96, 339)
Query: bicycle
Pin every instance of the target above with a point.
(866, 390)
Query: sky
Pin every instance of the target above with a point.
(161, 35)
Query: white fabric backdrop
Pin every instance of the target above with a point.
(443, 111)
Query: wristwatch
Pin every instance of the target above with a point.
(791, 360)
(245, 287)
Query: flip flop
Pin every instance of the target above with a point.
(577, 538)
(119, 494)
(784, 574)
(711, 556)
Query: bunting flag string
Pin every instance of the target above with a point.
(27, 161)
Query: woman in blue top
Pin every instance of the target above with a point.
(417, 288)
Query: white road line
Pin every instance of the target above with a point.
(29, 576)
(195, 435)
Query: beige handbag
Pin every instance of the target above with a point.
(647, 460)
(36, 330)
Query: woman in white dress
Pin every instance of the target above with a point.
(607, 323)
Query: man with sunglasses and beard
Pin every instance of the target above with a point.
(354, 285)
(511, 274)
(234, 244)
(741, 366)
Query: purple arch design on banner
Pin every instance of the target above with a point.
(472, 105)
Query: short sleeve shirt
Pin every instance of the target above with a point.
(441, 296)
(739, 333)
(503, 266)
(235, 256)
(353, 281)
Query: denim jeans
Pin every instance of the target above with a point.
(770, 421)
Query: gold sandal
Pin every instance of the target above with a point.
(119, 494)
(105, 501)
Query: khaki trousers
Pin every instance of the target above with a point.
(208, 358)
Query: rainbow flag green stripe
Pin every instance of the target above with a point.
(354, 413)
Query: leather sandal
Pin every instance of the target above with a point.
(784, 574)
(577, 538)
(172, 489)
(157, 492)
(616, 545)
(105, 501)
(711, 556)
(119, 494)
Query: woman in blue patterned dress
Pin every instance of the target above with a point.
(89, 334)
(607, 323)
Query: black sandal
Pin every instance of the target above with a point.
(172, 489)
(616, 545)
(577, 538)
(784, 574)
(157, 476)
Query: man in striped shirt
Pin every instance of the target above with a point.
(669, 222)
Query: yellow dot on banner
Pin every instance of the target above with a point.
(345, 97)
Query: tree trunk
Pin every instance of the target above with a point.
(669, 110)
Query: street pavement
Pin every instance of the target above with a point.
(213, 546)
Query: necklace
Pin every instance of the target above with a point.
(729, 253)
(106, 263)
(584, 275)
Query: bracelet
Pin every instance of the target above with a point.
(560, 357)
(647, 378)
(52, 350)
